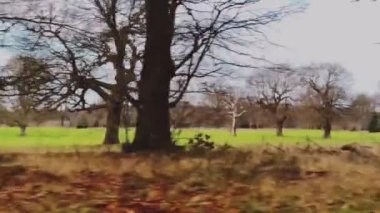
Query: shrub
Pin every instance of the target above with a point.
(201, 143)
(373, 125)
(175, 134)
(82, 122)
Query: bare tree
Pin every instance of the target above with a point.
(94, 46)
(180, 114)
(274, 91)
(229, 100)
(327, 91)
(255, 114)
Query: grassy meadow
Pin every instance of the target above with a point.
(70, 137)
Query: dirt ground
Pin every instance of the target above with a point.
(267, 179)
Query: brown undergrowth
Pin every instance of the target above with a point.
(265, 179)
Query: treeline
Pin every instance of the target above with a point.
(356, 117)
(313, 97)
(359, 115)
(52, 118)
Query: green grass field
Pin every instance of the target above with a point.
(68, 137)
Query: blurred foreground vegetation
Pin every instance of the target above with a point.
(308, 178)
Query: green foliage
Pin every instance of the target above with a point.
(373, 125)
(225, 147)
(175, 134)
(200, 143)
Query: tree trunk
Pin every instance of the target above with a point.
(153, 123)
(113, 122)
(250, 125)
(233, 126)
(63, 120)
(126, 120)
(22, 130)
(327, 129)
(279, 128)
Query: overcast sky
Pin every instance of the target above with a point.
(340, 31)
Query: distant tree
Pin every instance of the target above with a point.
(203, 114)
(306, 117)
(230, 100)
(361, 110)
(3, 114)
(373, 125)
(29, 81)
(327, 86)
(44, 115)
(254, 115)
(180, 114)
(274, 91)
(63, 115)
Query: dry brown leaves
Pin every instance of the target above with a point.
(267, 179)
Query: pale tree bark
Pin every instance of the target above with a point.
(233, 125)
(229, 100)
(234, 117)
